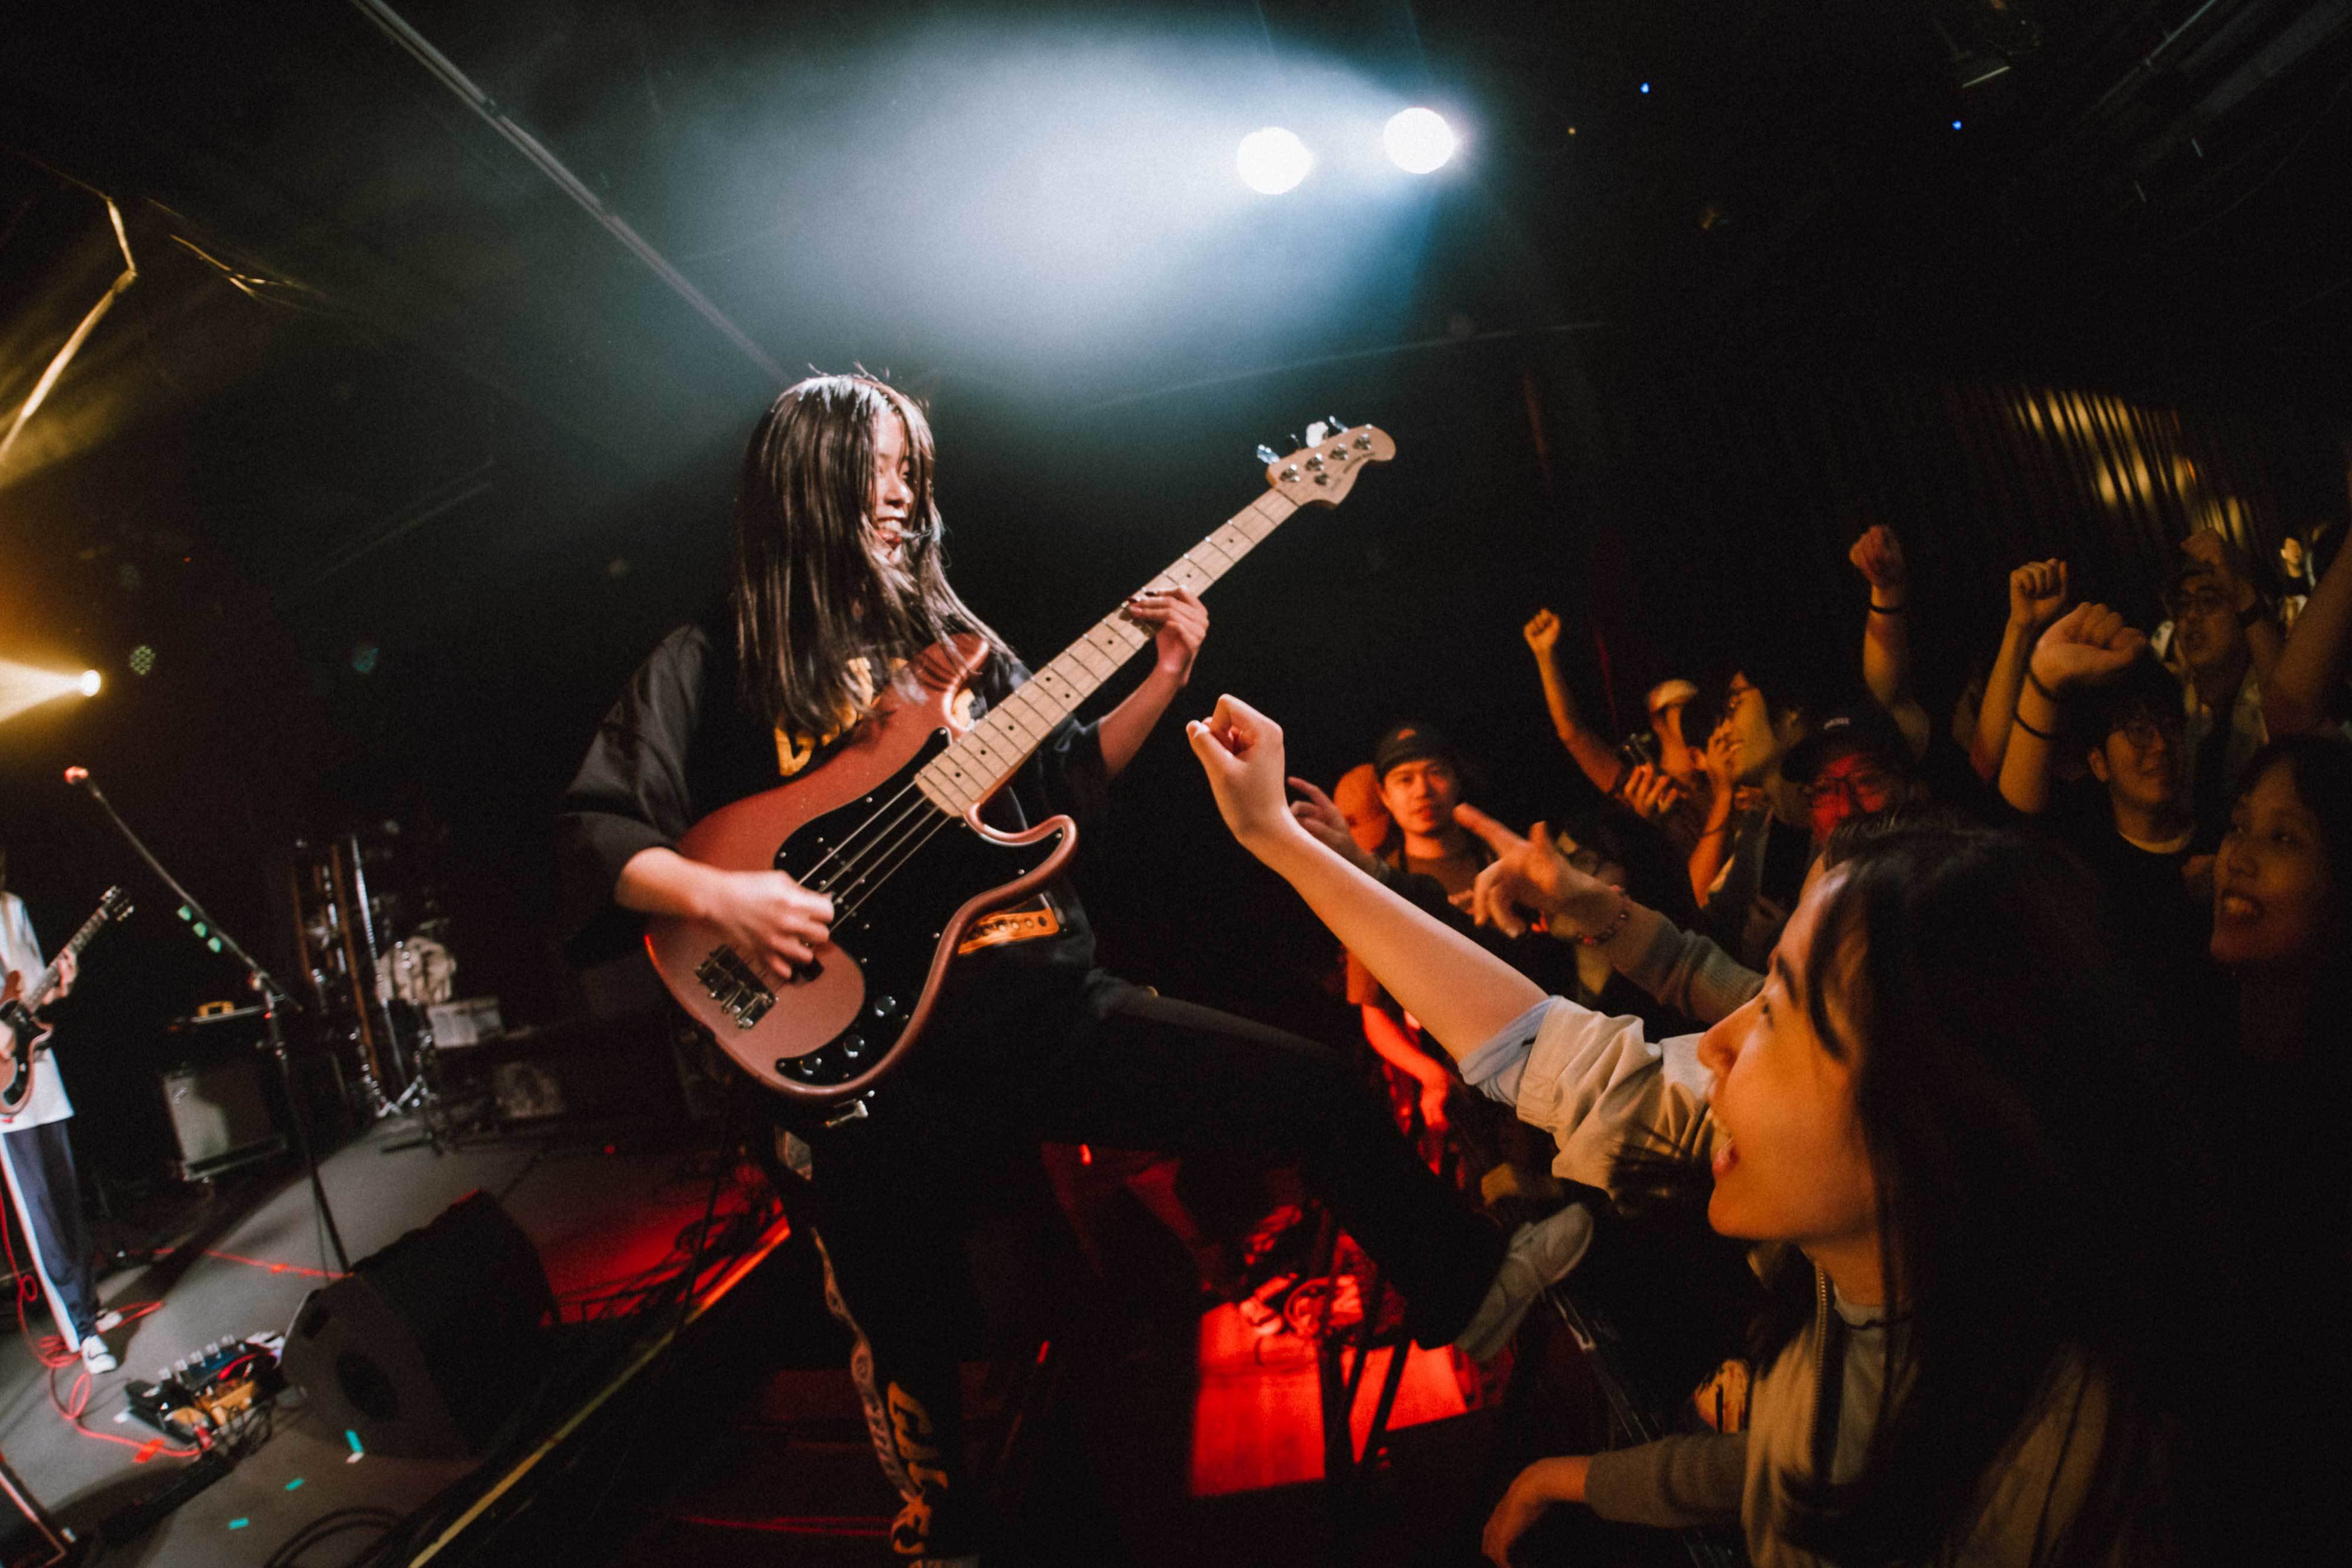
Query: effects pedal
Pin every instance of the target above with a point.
(201, 1395)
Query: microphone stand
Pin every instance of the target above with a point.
(274, 997)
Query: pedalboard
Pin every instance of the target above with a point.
(203, 1395)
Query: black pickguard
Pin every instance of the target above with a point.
(909, 867)
(26, 1028)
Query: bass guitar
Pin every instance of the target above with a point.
(21, 1030)
(889, 827)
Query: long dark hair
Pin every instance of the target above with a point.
(2024, 1116)
(2037, 1179)
(806, 594)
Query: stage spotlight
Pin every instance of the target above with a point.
(1273, 161)
(1418, 140)
(22, 687)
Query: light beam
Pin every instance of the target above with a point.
(22, 687)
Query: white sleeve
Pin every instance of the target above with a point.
(1592, 1082)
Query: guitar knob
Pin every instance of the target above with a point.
(885, 1006)
(852, 1046)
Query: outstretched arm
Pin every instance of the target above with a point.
(1182, 624)
(1461, 994)
(1594, 755)
(2037, 592)
(1721, 762)
(1886, 632)
(2296, 698)
(2088, 644)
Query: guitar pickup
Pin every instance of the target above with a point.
(738, 992)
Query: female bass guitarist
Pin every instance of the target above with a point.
(837, 586)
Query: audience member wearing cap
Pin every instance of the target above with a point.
(1856, 762)
(1421, 779)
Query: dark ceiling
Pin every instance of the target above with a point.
(387, 385)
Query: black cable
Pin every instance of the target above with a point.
(326, 1527)
(399, 1543)
(724, 1167)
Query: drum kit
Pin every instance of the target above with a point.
(377, 961)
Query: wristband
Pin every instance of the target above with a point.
(2019, 719)
(2035, 681)
(1878, 608)
(1625, 913)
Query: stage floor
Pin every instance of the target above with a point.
(240, 1266)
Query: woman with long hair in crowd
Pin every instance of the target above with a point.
(2283, 932)
(1949, 1103)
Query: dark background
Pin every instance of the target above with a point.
(1651, 358)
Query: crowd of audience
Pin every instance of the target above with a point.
(2002, 1046)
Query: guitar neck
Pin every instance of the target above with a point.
(38, 994)
(993, 749)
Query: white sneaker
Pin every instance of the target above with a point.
(1541, 1257)
(109, 1320)
(96, 1357)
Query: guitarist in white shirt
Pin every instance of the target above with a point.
(37, 1155)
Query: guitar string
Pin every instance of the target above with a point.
(851, 860)
(809, 880)
(848, 857)
(925, 833)
(867, 863)
(853, 863)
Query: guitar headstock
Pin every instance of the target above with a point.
(1322, 472)
(113, 905)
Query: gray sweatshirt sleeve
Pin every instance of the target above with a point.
(1690, 974)
(1676, 1483)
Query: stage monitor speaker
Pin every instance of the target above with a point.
(219, 1118)
(426, 1348)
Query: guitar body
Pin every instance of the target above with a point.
(832, 1032)
(23, 1034)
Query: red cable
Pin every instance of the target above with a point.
(55, 1360)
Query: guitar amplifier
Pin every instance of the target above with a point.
(219, 1118)
(472, 1020)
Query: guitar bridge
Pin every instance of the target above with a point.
(740, 993)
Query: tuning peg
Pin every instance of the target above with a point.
(1316, 432)
(1267, 455)
(1336, 423)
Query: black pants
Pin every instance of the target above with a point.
(1119, 1066)
(48, 1203)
